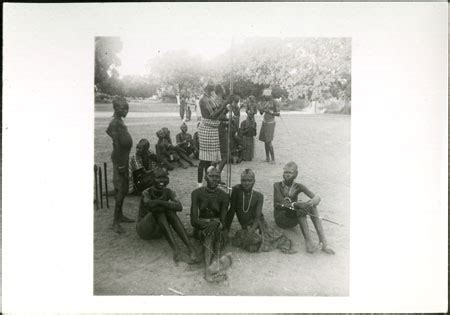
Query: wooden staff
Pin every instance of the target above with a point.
(101, 186)
(230, 120)
(96, 186)
(106, 186)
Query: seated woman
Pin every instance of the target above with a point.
(158, 213)
(180, 152)
(285, 198)
(256, 235)
(166, 152)
(208, 209)
(185, 141)
(141, 167)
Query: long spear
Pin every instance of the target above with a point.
(230, 119)
(311, 215)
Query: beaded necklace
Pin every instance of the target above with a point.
(249, 203)
(290, 188)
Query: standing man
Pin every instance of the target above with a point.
(122, 143)
(182, 106)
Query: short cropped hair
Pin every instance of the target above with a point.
(291, 166)
(119, 101)
(210, 169)
(248, 172)
(145, 143)
(209, 87)
(219, 89)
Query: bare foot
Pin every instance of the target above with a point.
(220, 277)
(215, 277)
(225, 261)
(124, 219)
(117, 228)
(209, 277)
(327, 250)
(193, 259)
(310, 248)
(289, 251)
(176, 258)
(214, 267)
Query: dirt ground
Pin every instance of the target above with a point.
(320, 144)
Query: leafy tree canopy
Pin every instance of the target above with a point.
(106, 61)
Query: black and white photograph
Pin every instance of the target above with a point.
(222, 167)
(242, 157)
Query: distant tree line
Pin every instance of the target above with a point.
(309, 69)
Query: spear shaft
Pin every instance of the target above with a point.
(311, 215)
(230, 118)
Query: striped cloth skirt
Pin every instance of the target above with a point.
(267, 131)
(208, 136)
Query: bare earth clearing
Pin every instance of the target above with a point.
(320, 144)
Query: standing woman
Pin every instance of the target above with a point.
(248, 132)
(208, 132)
(270, 110)
(122, 143)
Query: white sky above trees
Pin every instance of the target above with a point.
(137, 51)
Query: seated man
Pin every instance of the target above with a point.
(166, 152)
(185, 141)
(256, 235)
(157, 213)
(289, 211)
(180, 152)
(141, 167)
(208, 209)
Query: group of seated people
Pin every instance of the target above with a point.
(212, 212)
(169, 156)
(166, 155)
